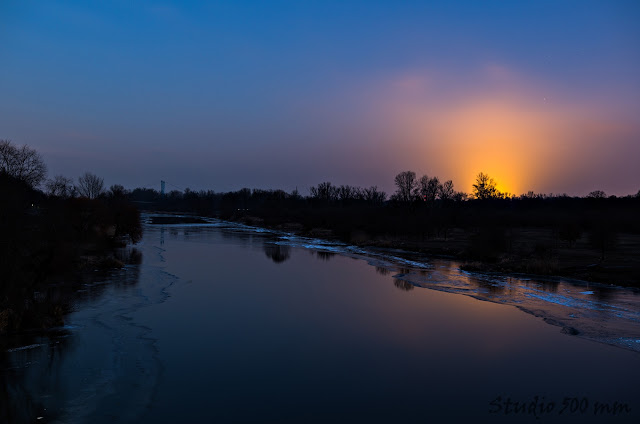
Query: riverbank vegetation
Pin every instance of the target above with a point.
(594, 238)
(52, 228)
(48, 237)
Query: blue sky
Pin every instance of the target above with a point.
(223, 95)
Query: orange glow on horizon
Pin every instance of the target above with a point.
(500, 124)
(497, 137)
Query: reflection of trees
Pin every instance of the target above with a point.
(403, 285)
(323, 255)
(276, 252)
(489, 286)
(130, 255)
(382, 270)
(548, 286)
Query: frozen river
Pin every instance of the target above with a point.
(225, 323)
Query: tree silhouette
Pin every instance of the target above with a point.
(484, 187)
(460, 196)
(427, 188)
(422, 185)
(60, 186)
(346, 192)
(22, 163)
(433, 188)
(406, 185)
(373, 195)
(446, 190)
(117, 191)
(597, 194)
(325, 191)
(90, 185)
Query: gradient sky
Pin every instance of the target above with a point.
(541, 95)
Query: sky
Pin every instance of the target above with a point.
(220, 95)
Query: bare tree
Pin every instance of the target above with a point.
(346, 192)
(485, 187)
(406, 184)
(597, 194)
(460, 196)
(7, 151)
(117, 191)
(427, 188)
(295, 194)
(433, 188)
(22, 163)
(373, 195)
(90, 185)
(325, 191)
(60, 186)
(446, 190)
(422, 185)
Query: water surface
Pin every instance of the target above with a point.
(227, 323)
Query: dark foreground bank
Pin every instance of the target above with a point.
(47, 242)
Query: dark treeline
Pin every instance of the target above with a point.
(48, 237)
(592, 237)
(425, 208)
(52, 226)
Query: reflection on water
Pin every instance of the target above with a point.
(382, 270)
(201, 326)
(277, 253)
(325, 256)
(27, 368)
(32, 382)
(403, 285)
(593, 311)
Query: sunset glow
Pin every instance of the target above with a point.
(504, 126)
(217, 96)
(329, 211)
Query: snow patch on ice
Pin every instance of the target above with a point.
(31, 346)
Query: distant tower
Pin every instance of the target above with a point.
(161, 188)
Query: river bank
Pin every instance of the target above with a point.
(518, 250)
(574, 306)
(49, 243)
(589, 238)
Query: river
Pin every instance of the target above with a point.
(221, 322)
